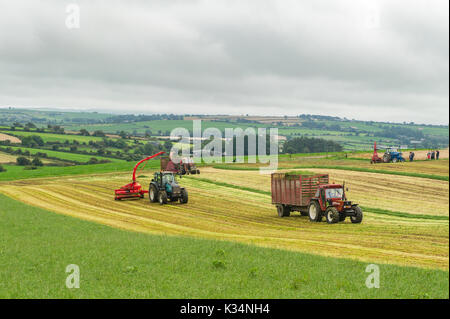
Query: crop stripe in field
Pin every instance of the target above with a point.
(344, 168)
(369, 209)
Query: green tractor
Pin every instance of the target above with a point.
(164, 187)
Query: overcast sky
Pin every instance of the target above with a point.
(370, 60)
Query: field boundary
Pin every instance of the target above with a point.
(369, 209)
(344, 168)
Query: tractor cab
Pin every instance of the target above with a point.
(164, 187)
(331, 201)
(331, 195)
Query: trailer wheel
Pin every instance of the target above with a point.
(283, 211)
(332, 215)
(184, 196)
(198, 171)
(162, 197)
(359, 216)
(314, 212)
(152, 194)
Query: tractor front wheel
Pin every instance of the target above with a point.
(162, 197)
(358, 216)
(184, 196)
(332, 215)
(152, 194)
(314, 212)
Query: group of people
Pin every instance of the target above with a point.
(431, 155)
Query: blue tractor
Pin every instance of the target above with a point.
(392, 155)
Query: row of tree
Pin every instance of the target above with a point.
(310, 145)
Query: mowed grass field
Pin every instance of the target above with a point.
(407, 194)
(7, 158)
(38, 245)
(222, 212)
(437, 169)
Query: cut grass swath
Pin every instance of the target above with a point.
(345, 168)
(219, 212)
(177, 267)
(369, 209)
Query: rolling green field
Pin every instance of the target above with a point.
(228, 241)
(18, 172)
(82, 158)
(50, 137)
(352, 134)
(38, 245)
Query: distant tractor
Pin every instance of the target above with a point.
(164, 188)
(313, 196)
(185, 167)
(393, 155)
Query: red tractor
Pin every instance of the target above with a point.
(330, 201)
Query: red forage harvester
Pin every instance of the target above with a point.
(375, 157)
(133, 189)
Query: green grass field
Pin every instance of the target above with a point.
(38, 245)
(82, 158)
(50, 137)
(18, 172)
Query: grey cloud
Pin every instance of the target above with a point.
(257, 57)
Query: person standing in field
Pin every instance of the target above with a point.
(432, 155)
(429, 155)
(437, 154)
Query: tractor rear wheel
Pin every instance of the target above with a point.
(358, 216)
(283, 211)
(314, 212)
(332, 215)
(153, 194)
(184, 196)
(162, 197)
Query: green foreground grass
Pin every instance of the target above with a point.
(37, 246)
